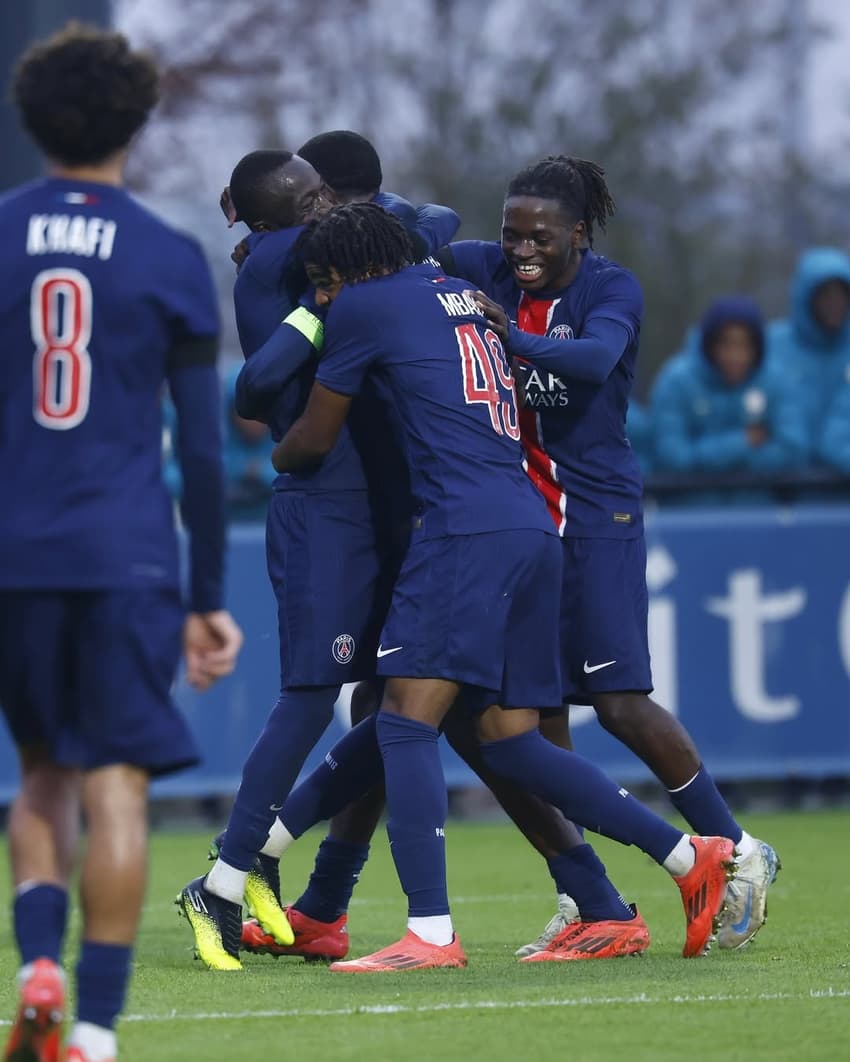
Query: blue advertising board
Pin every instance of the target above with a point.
(749, 632)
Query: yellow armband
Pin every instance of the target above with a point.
(310, 326)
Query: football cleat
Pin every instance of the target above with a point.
(262, 898)
(409, 953)
(703, 891)
(313, 939)
(568, 913)
(37, 1031)
(746, 897)
(216, 924)
(262, 894)
(596, 940)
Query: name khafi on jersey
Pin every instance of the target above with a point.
(71, 234)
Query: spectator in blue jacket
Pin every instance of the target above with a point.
(248, 468)
(723, 403)
(813, 342)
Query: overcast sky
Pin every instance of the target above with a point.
(828, 76)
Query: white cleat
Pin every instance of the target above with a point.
(746, 897)
(567, 913)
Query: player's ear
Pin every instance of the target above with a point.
(579, 236)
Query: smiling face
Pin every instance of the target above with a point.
(540, 243)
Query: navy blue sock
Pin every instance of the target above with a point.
(337, 868)
(704, 809)
(581, 873)
(296, 723)
(352, 767)
(40, 914)
(102, 975)
(583, 792)
(417, 805)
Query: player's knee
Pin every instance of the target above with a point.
(618, 711)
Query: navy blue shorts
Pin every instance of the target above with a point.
(331, 601)
(604, 605)
(88, 675)
(481, 610)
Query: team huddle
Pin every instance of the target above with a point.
(456, 526)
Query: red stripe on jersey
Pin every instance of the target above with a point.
(534, 316)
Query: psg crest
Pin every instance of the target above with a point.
(561, 331)
(343, 648)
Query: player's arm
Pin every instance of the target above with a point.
(436, 225)
(312, 437)
(350, 348)
(268, 370)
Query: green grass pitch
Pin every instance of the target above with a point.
(787, 997)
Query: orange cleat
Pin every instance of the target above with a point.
(595, 940)
(37, 1032)
(313, 940)
(409, 953)
(703, 891)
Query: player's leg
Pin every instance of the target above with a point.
(127, 729)
(36, 667)
(323, 568)
(585, 893)
(319, 917)
(407, 728)
(514, 747)
(612, 613)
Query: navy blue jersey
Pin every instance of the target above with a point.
(101, 304)
(445, 374)
(573, 431)
(262, 300)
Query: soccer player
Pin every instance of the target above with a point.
(577, 328)
(277, 186)
(102, 304)
(477, 601)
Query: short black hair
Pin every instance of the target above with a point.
(83, 93)
(346, 161)
(255, 184)
(356, 241)
(578, 185)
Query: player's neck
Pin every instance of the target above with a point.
(110, 171)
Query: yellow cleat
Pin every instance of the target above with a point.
(216, 924)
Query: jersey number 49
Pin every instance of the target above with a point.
(487, 377)
(60, 320)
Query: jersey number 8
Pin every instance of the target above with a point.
(60, 320)
(484, 363)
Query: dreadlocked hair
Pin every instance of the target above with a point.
(357, 241)
(578, 185)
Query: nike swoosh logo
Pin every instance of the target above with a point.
(588, 670)
(741, 927)
(386, 652)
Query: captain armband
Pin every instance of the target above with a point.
(308, 324)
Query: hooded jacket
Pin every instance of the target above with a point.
(818, 361)
(701, 420)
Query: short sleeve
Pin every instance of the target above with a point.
(351, 345)
(618, 297)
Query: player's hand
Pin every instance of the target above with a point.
(227, 207)
(757, 434)
(240, 253)
(211, 643)
(496, 316)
